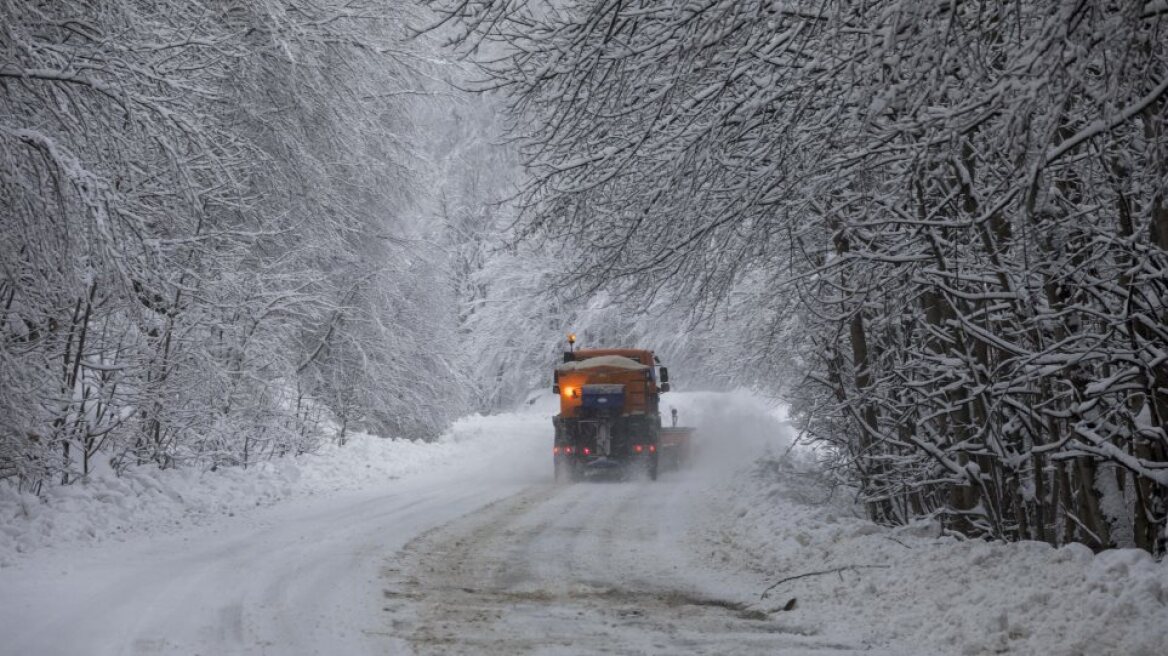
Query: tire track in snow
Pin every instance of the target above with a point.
(595, 568)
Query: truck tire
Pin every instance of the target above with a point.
(653, 468)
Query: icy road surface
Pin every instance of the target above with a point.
(483, 555)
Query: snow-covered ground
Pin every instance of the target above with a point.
(909, 586)
(283, 560)
(466, 546)
(147, 500)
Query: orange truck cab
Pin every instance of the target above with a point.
(609, 412)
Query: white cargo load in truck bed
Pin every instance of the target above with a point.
(616, 361)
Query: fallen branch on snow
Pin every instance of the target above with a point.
(835, 570)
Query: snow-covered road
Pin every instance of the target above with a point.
(482, 555)
(599, 568)
(468, 547)
(299, 579)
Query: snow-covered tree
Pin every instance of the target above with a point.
(951, 219)
(209, 234)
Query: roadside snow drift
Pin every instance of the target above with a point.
(910, 586)
(148, 500)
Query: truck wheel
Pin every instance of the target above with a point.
(653, 469)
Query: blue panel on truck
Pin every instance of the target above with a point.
(603, 396)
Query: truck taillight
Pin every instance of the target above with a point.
(587, 451)
(568, 450)
(652, 448)
(555, 450)
(638, 448)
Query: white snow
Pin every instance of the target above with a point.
(148, 500)
(911, 586)
(291, 557)
(617, 361)
(206, 571)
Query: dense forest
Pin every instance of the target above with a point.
(231, 231)
(211, 245)
(940, 227)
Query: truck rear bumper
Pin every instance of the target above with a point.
(604, 461)
(602, 467)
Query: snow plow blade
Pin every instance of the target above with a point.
(676, 447)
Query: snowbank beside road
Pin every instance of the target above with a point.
(149, 500)
(146, 499)
(948, 596)
(908, 585)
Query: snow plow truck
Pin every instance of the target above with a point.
(610, 421)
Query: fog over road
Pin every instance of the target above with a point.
(482, 555)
